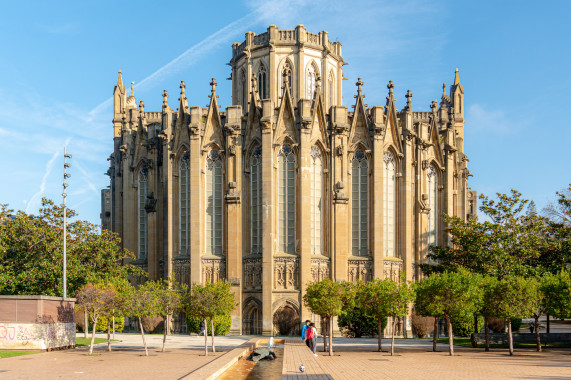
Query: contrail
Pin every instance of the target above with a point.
(191, 55)
(42, 188)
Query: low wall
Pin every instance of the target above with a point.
(36, 323)
(480, 338)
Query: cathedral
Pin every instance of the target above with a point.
(286, 186)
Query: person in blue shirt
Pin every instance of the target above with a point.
(304, 330)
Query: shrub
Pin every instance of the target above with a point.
(516, 324)
(153, 325)
(222, 324)
(355, 324)
(463, 325)
(497, 325)
(102, 323)
(421, 326)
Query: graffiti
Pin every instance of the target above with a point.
(7, 333)
(24, 334)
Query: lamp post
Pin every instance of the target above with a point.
(66, 175)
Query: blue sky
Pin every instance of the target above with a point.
(60, 59)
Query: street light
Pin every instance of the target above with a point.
(66, 165)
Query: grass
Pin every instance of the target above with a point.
(79, 342)
(466, 342)
(9, 354)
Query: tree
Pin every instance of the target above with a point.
(449, 294)
(514, 297)
(96, 299)
(31, 252)
(142, 303)
(489, 285)
(401, 295)
(168, 300)
(374, 297)
(557, 294)
(424, 304)
(207, 301)
(327, 298)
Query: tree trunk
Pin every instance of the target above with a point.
(86, 321)
(450, 335)
(393, 337)
(547, 323)
(537, 337)
(435, 334)
(165, 329)
(475, 323)
(330, 336)
(205, 338)
(143, 336)
(325, 332)
(109, 336)
(487, 334)
(212, 333)
(380, 333)
(510, 337)
(93, 335)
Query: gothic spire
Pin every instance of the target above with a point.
(183, 104)
(120, 80)
(408, 97)
(456, 78)
(165, 97)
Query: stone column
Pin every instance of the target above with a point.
(196, 209)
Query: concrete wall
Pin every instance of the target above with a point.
(36, 323)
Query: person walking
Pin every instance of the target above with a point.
(304, 332)
(313, 338)
(309, 332)
(202, 328)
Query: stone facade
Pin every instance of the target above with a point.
(286, 186)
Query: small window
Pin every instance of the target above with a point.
(262, 82)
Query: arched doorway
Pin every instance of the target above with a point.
(286, 321)
(252, 320)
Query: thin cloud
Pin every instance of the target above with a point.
(35, 198)
(482, 119)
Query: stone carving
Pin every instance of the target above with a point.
(181, 268)
(393, 270)
(319, 269)
(213, 270)
(252, 273)
(286, 273)
(360, 270)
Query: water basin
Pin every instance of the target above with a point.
(250, 370)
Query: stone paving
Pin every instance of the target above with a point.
(354, 359)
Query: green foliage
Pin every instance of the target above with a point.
(222, 324)
(449, 294)
(464, 324)
(516, 324)
(103, 320)
(31, 252)
(327, 298)
(512, 242)
(514, 297)
(207, 301)
(356, 323)
(557, 291)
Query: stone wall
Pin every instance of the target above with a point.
(36, 323)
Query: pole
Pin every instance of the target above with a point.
(65, 185)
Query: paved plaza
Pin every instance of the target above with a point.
(353, 359)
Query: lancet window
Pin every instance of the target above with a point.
(213, 195)
(286, 199)
(256, 200)
(316, 201)
(184, 205)
(432, 179)
(142, 190)
(389, 203)
(262, 77)
(331, 89)
(359, 204)
(244, 92)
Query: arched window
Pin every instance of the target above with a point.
(286, 199)
(389, 201)
(142, 190)
(331, 89)
(262, 81)
(244, 92)
(287, 75)
(432, 179)
(359, 204)
(256, 200)
(311, 81)
(183, 205)
(316, 201)
(213, 193)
